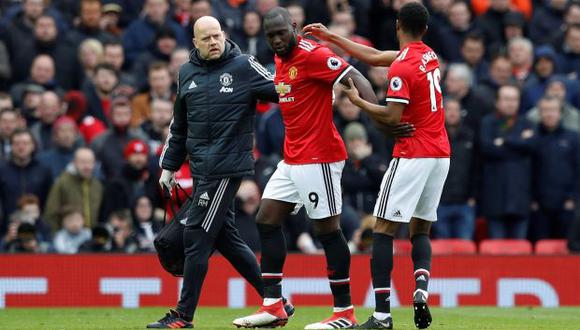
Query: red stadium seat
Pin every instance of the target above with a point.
(453, 246)
(552, 246)
(505, 247)
(402, 247)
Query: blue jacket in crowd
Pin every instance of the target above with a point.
(507, 168)
(141, 34)
(556, 167)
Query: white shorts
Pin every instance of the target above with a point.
(412, 187)
(316, 186)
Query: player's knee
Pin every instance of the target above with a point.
(326, 226)
(386, 227)
(419, 227)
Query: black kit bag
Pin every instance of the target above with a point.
(169, 240)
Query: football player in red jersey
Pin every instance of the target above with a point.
(310, 173)
(412, 186)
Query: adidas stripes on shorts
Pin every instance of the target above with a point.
(412, 187)
(314, 186)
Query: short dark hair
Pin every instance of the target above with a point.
(549, 98)
(112, 43)
(413, 18)
(106, 67)
(476, 36)
(22, 131)
(279, 11)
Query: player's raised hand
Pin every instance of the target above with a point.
(317, 30)
(352, 92)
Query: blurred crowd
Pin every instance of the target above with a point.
(87, 90)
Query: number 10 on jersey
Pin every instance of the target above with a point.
(434, 77)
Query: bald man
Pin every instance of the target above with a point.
(213, 123)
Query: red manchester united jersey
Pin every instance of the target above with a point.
(304, 82)
(414, 80)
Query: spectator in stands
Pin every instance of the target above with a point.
(90, 14)
(570, 115)
(569, 57)
(491, 23)
(556, 174)
(29, 212)
(521, 55)
(472, 52)
(179, 56)
(115, 56)
(41, 73)
(22, 173)
(546, 19)
(111, 19)
(121, 227)
(146, 222)
(473, 105)
(571, 17)
(91, 54)
(28, 104)
(297, 13)
(247, 202)
(270, 134)
(459, 27)
(49, 109)
(100, 241)
(161, 115)
(362, 239)
(5, 68)
(251, 41)
(363, 170)
(73, 233)
(26, 241)
(456, 213)
(110, 145)
(140, 34)
(159, 52)
(99, 92)
(500, 74)
(19, 36)
(346, 19)
(76, 186)
(49, 42)
(507, 143)
(65, 140)
(5, 101)
(9, 121)
(135, 178)
(160, 82)
(200, 8)
(544, 69)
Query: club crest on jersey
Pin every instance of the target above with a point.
(396, 84)
(333, 63)
(226, 79)
(293, 72)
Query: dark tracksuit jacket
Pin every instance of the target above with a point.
(213, 123)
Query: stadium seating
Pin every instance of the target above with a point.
(452, 246)
(402, 247)
(552, 246)
(505, 247)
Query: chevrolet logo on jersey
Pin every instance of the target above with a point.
(283, 89)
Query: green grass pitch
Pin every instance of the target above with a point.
(220, 318)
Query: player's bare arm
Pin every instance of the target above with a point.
(368, 55)
(389, 115)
